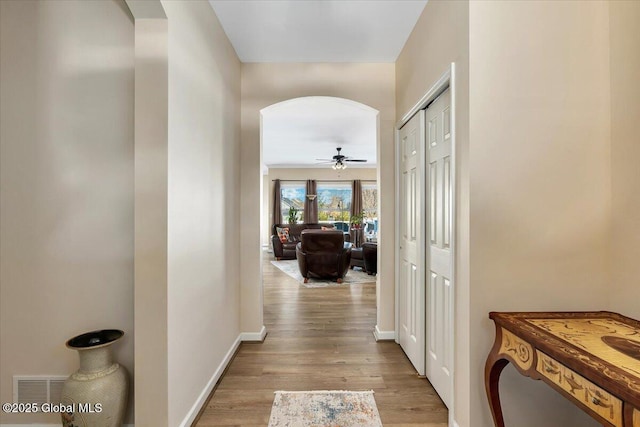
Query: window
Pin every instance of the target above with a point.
(370, 208)
(334, 202)
(292, 194)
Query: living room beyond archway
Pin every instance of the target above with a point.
(319, 163)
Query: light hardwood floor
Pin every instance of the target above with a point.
(320, 339)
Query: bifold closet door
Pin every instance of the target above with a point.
(411, 284)
(439, 246)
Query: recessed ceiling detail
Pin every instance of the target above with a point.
(297, 132)
(318, 30)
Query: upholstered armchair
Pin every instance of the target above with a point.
(323, 254)
(370, 257)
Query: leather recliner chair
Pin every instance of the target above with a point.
(323, 254)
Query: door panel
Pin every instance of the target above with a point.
(446, 203)
(412, 217)
(439, 255)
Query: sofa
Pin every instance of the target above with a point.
(286, 248)
(323, 254)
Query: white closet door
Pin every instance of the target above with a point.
(412, 241)
(439, 253)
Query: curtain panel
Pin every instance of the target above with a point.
(356, 198)
(277, 204)
(311, 206)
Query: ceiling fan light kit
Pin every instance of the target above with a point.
(338, 166)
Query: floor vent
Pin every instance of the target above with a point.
(38, 388)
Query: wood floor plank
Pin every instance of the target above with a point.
(320, 339)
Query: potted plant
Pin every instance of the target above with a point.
(356, 221)
(293, 215)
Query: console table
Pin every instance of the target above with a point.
(591, 358)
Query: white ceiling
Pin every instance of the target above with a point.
(318, 30)
(297, 132)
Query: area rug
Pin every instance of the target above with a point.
(290, 267)
(324, 409)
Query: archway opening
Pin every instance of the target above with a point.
(298, 141)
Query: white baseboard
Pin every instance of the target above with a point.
(384, 335)
(455, 424)
(254, 336)
(195, 409)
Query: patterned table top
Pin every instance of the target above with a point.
(602, 346)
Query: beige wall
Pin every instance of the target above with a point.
(540, 180)
(267, 84)
(265, 219)
(440, 37)
(151, 223)
(203, 201)
(67, 141)
(322, 174)
(66, 206)
(625, 152)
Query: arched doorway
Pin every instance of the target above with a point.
(295, 134)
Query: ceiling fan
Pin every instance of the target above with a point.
(339, 161)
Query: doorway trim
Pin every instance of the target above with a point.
(444, 82)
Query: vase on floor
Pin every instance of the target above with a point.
(96, 394)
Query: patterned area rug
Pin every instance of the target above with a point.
(290, 267)
(324, 409)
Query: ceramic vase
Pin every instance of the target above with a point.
(96, 394)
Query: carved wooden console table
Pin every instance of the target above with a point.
(593, 359)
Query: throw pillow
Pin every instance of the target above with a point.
(283, 234)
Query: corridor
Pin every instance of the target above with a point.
(320, 339)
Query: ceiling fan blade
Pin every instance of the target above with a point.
(339, 159)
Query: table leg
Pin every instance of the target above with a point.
(493, 368)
